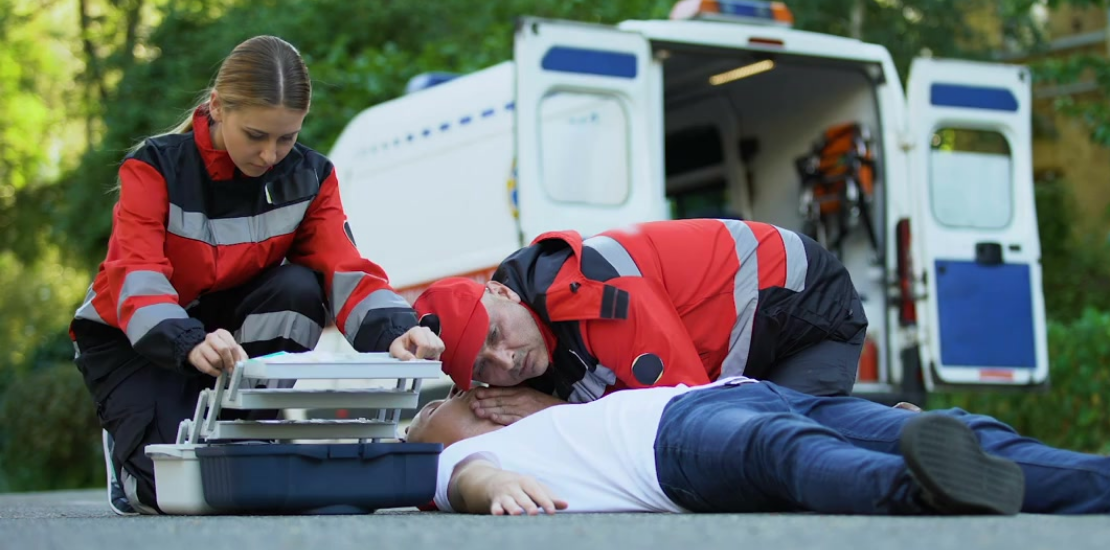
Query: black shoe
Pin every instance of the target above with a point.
(954, 474)
(117, 497)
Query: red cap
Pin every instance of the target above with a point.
(463, 323)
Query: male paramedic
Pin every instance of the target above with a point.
(740, 445)
(655, 304)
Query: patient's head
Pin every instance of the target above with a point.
(448, 421)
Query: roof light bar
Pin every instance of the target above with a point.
(737, 11)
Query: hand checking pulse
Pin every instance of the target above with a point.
(507, 405)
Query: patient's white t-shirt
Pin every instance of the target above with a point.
(597, 456)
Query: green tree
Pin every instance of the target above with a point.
(1075, 68)
(909, 28)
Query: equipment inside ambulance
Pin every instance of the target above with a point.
(726, 110)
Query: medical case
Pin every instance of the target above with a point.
(313, 466)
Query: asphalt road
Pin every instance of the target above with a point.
(81, 520)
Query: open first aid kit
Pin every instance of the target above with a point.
(246, 466)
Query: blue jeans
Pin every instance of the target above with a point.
(759, 447)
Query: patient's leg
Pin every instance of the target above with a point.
(1057, 481)
(737, 449)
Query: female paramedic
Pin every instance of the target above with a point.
(229, 241)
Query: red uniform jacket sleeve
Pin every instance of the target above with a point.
(139, 297)
(367, 310)
(649, 348)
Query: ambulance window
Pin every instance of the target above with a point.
(584, 148)
(971, 179)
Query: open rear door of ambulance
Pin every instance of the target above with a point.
(589, 156)
(976, 222)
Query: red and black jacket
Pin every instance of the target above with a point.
(678, 302)
(188, 223)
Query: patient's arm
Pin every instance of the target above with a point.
(479, 486)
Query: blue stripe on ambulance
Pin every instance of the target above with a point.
(585, 61)
(972, 97)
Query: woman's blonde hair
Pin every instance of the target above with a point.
(264, 71)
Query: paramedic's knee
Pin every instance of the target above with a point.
(826, 369)
(819, 380)
(299, 288)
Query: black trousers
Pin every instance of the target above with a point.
(827, 368)
(280, 310)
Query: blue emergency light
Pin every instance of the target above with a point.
(738, 11)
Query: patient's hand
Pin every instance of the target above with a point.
(507, 405)
(908, 406)
(513, 494)
(480, 487)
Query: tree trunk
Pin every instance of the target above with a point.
(134, 15)
(855, 21)
(93, 81)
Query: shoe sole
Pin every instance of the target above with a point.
(947, 460)
(111, 476)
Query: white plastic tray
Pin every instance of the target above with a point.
(351, 366)
(361, 428)
(177, 479)
(368, 398)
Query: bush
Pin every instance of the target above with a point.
(1072, 413)
(51, 437)
(1075, 260)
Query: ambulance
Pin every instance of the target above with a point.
(725, 110)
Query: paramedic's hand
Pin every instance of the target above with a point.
(417, 343)
(218, 352)
(514, 494)
(507, 405)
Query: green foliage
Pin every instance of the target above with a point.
(912, 28)
(1072, 413)
(1075, 263)
(36, 121)
(39, 300)
(51, 437)
(1092, 110)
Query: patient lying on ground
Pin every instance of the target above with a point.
(738, 445)
(595, 456)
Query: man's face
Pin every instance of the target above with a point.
(256, 138)
(447, 421)
(514, 350)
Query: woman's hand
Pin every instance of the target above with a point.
(217, 353)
